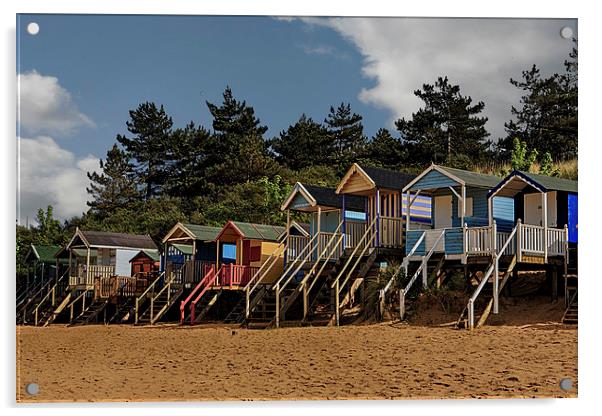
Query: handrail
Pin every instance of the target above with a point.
(476, 294)
(198, 287)
(51, 292)
(209, 279)
(404, 291)
(280, 286)
(326, 260)
(143, 295)
(74, 301)
(307, 256)
(353, 253)
(260, 275)
(404, 263)
(510, 237)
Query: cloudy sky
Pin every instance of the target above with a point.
(79, 76)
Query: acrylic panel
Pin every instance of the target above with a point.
(281, 208)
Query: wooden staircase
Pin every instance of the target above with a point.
(91, 312)
(158, 299)
(571, 316)
(483, 313)
(264, 314)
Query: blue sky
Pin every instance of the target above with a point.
(79, 76)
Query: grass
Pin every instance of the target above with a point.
(567, 169)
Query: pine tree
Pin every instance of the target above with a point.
(547, 117)
(385, 150)
(149, 147)
(48, 230)
(304, 144)
(114, 187)
(189, 151)
(446, 127)
(347, 133)
(236, 152)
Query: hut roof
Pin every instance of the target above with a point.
(151, 254)
(518, 180)
(251, 231)
(109, 239)
(43, 253)
(191, 231)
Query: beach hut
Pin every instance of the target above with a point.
(145, 262)
(546, 228)
(43, 268)
(189, 251)
(94, 258)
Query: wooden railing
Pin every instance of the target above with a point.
(194, 271)
(124, 286)
(354, 230)
(478, 240)
(148, 292)
(390, 232)
(260, 275)
(557, 239)
(501, 239)
(235, 274)
(531, 239)
(296, 245)
(87, 276)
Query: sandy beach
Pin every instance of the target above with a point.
(379, 361)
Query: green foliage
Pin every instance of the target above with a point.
(448, 124)
(546, 165)
(521, 158)
(115, 186)
(347, 134)
(48, 229)
(150, 146)
(303, 145)
(547, 117)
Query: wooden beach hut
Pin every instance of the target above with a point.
(98, 264)
(145, 262)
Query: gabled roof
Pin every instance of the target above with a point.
(250, 231)
(302, 227)
(460, 176)
(43, 253)
(151, 254)
(112, 240)
(193, 231)
(516, 181)
(184, 248)
(376, 178)
(324, 197)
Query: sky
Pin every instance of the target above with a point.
(80, 75)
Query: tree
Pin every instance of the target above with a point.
(448, 125)
(149, 147)
(523, 159)
(347, 135)
(48, 230)
(547, 117)
(385, 151)
(305, 143)
(236, 152)
(187, 173)
(115, 186)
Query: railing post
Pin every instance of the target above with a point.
(336, 301)
(519, 241)
(402, 304)
(465, 236)
(136, 313)
(493, 248)
(470, 314)
(305, 302)
(152, 309)
(496, 294)
(424, 273)
(247, 303)
(278, 306)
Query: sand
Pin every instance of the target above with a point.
(379, 361)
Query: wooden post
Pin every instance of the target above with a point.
(319, 230)
(496, 277)
(278, 306)
(463, 204)
(69, 268)
(544, 211)
(408, 206)
(305, 302)
(344, 221)
(377, 217)
(519, 255)
(288, 235)
(217, 256)
(490, 210)
(424, 273)
(336, 302)
(87, 267)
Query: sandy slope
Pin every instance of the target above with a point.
(104, 363)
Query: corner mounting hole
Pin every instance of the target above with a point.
(32, 389)
(33, 28)
(566, 32)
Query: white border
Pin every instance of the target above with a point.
(589, 153)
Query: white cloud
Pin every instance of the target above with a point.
(52, 175)
(481, 55)
(324, 50)
(46, 107)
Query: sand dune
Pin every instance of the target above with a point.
(384, 361)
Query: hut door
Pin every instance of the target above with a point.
(533, 209)
(246, 251)
(443, 211)
(573, 218)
